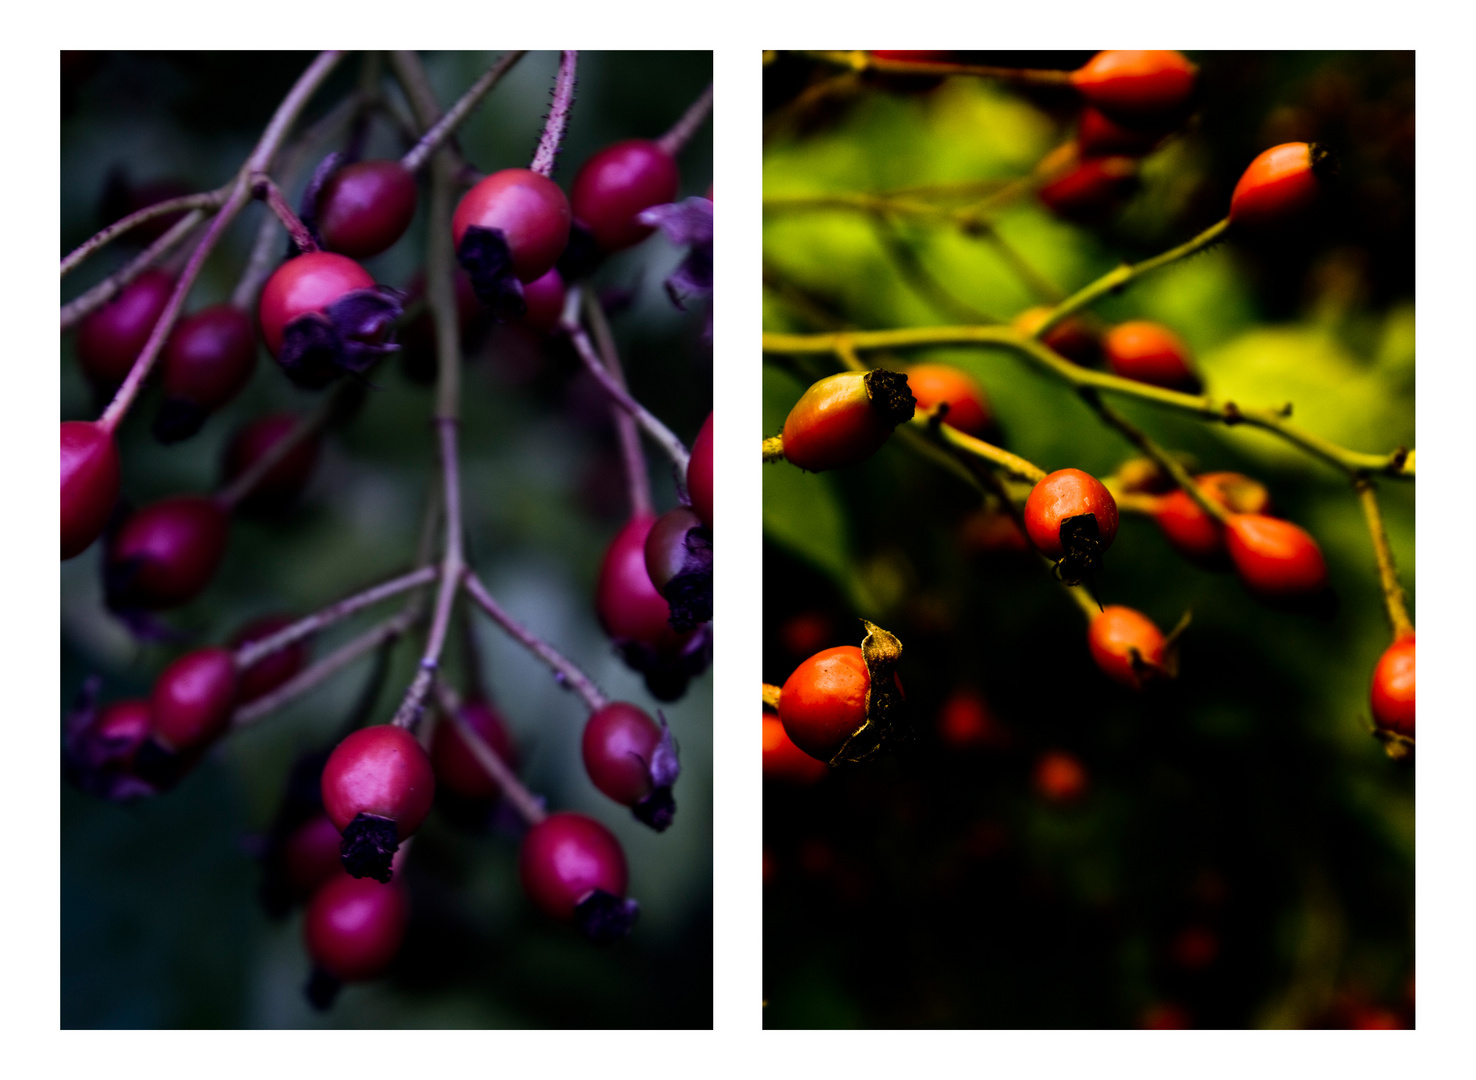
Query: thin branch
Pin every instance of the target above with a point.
(307, 426)
(529, 806)
(1394, 598)
(208, 200)
(558, 115)
(633, 456)
(1166, 461)
(682, 131)
(74, 312)
(263, 188)
(861, 60)
(420, 153)
(564, 669)
(1013, 464)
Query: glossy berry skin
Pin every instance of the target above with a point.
(699, 473)
(1394, 688)
(123, 726)
(1148, 353)
(192, 700)
(626, 600)
(1062, 495)
(306, 285)
(210, 356)
(1098, 135)
(1091, 190)
(1193, 533)
(834, 424)
(619, 742)
(1273, 557)
(545, 299)
(529, 209)
(285, 481)
(615, 185)
(1060, 777)
(1277, 187)
(567, 856)
(823, 702)
(1138, 87)
(110, 339)
(271, 671)
(353, 927)
(786, 762)
(968, 405)
(665, 548)
(90, 475)
(381, 771)
(1114, 634)
(167, 552)
(365, 207)
(457, 769)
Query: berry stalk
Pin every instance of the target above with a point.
(208, 200)
(558, 115)
(1395, 601)
(453, 118)
(529, 806)
(686, 126)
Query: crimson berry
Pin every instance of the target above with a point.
(378, 787)
(1072, 337)
(786, 762)
(110, 339)
(365, 207)
(968, 405)
(1273, 557)
(1092, 189)
(166, 553)
(1149, 353)
(1072, 518)
(457, 769)
(192, 703)
(699, 473)
(322, 315)
(208, 359)
(545, 299)
(1126, 645)
(1060, 777)
(1099, 135)
(1394, 688)
(993, 532)
(310, 857)
(638, 618)
(1278, 186)
(574, 870)
(823, 702)
(284, 481)
(843, 419)
(615, 185)
(102, 745)
(1192, 532)
(632, 761)
(509, 230)
(90, 475)
(1138, 87)
(679, 563)
(353, 930)
(274, 669)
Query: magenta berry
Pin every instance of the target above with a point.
(509, 230)
(284, 482)
(353, 930)
(192, 701)
(615, 185)
(365, 207)
(208, 360)
(699, 473)
(679, 563)
(90, 476)
(309, 856)
(166, 553)
(274, 669)
(632, 761)
(574, 870)
(110, 339)
(102, 746)
(322, 315)
(545, 299)
(378, 787)
(457, 769)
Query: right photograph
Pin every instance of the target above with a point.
(1089, 536)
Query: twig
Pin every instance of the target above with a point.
(682, 131)
(558, 115)
(95, 297)
(633, 456)
(564, 669)
(208, 200)
(1166, 461)
(307, 426)
(1394, 598)
(529, 806)
(861, 60)
(420, 153)
(263, 188)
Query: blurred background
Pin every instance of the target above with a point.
(1232, 849)
(161, 926)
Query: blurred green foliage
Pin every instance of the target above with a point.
(1246, 799)
(160, 924)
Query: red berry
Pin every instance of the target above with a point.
(993, 532)
(843, 419)
(628, 603)
(274, 669)
(565, 858)
(122, 727)
(208, 359)
(965, 722)
(353, 927)
(193, 699)
(1099, 135)
(381, 771)
(665, 547)
(1149, 353)
(1147, 87)
(1193, 533)
(167, 552)
(306, 285)
(1092, 189)
(545, 299)
(615, 185)
(1278, 186)
(1060, 777)
(1275, 557)
(530, 211)
(365, 207)
(1060, 510)
(619, 745)
(1394, 688)
(457, 769)
(310, 856)
(1115, 635)
(285, 481)
(823, 702)
(968, 405)
(699, 473)
(786, 762)
(110, 339)
(1072, 337)
(90, 475)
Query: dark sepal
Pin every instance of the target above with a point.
(604, 918)
(369, 844)
(322, 989)
(1082, 542)
(178, 419)
(160, 766)
(307, 209)
(349, 338)
(658, 809)
(667, 674)
(487, 259)
(889, 396)
(686, 224)
(887, 722)
(93, 762)
(582, 256)
(689, 593)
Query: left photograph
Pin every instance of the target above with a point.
(387, 540)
